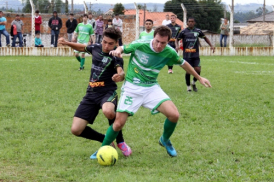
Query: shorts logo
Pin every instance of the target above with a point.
(96, 84)
(128, 100)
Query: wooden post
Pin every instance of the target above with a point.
(32, 23)
(137, 23)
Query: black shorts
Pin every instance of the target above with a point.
(89, 107)
(194, 62)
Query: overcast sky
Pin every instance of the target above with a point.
(268, 2)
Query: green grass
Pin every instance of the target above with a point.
(225, 133)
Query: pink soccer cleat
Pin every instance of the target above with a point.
(126, 150)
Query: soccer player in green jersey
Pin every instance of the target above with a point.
(141, 87)
(84, 34)
(148, 33)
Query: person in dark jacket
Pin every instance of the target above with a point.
(55, 23)
(71, 24)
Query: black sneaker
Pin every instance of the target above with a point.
(194, 88)
(81, 68)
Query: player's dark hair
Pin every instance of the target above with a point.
(71, 14)
(109, 20)
(17, 15)
(113, 33)
(191, 18)
(163, 31)
(150, 20)
(1, 11)
(37, 11)
(85, 15)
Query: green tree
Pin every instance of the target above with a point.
(42, 5)
(119, 9)
(207, 13)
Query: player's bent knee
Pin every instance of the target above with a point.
(76, 131)
(174, 117)
(109, 114)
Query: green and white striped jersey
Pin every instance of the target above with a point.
(145, 64)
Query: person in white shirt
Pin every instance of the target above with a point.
(118, 24)
(166, 21)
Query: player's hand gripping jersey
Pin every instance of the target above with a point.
(103, 68)
(145, 64)
(191, 42)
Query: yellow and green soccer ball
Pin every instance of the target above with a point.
(107, 156)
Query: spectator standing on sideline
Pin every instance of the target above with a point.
(38, 22)
(224, 32)
(109, 25)
(175, 29)
(3, 22)
(55, 23)
(20, 30)
(166, 21)
(38, 42)
(71, 24)
(91, 21)
(99, 29)
(118, 24)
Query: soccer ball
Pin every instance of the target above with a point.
(107, 155)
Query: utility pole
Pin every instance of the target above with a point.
(71, 6)
(224, 11)
(7, 5)
(185, 14)
(145, 6)
(90, 6)
(231, 25)
(264, 12)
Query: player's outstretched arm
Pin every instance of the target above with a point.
(75, 46)
(186, 66)
(117, 52)
(119, 76)
(209, 43)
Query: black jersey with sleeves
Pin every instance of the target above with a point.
(104, 66)
(191, 42)
(175, 29)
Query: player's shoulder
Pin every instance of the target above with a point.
(170, 49)
(197, 30)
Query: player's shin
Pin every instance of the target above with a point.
(82, 62)
(169, 128)
(110, 136)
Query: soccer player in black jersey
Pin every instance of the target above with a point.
(101, 91)
(190, 37)
(175, 30)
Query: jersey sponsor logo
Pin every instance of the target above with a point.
(190, 50)
(196, 34)
(144, 59)
(136, 80)
(96, 84)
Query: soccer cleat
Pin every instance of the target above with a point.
(194, 88)
(169, 148)
(81, 68)
(126, 150)
(93, 156)
(170, 71)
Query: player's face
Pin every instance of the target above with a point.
(159, 42)
(173, 19)
(90, 16)
(191, 23)
(108, 44)
(85, 19)
(1, 14)
(148, 25)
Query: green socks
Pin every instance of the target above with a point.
(82, 62)
(110, 136)
(78, 58)
(169, 127)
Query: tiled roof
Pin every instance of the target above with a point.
(157, 17)
(268, 18)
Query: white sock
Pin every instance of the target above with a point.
(188, 87)
(193, 82)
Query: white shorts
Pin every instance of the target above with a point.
(80, 43)
(133, 97)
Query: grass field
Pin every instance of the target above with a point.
(225, 133)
